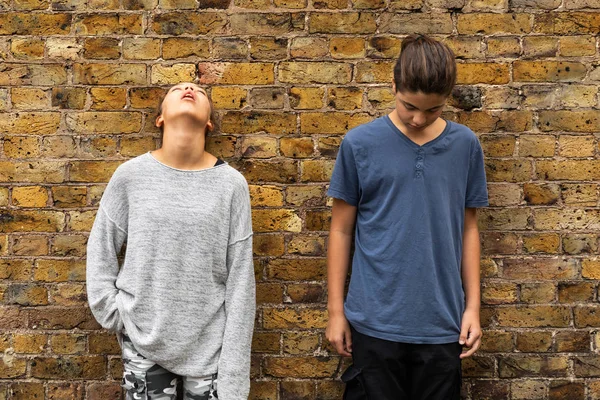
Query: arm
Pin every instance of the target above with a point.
(240, 307)
(343, 217)
(470, 334)
(102, 269)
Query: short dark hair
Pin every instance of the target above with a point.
(425, 65)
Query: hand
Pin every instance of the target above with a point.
(339, 335)
(470, 333)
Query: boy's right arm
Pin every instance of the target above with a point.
(102, 269)
(343, 217)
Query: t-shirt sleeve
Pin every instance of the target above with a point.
(477, 194)
(344, 180)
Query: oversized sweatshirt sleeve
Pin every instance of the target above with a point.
(240, 303)
(108, 234)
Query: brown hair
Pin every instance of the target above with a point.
(425, 65)
(213, 114)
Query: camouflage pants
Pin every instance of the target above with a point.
(146, 380)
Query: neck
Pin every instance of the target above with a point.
(184, 149)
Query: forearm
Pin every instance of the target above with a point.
(470, 266)
(338, 262)
(240, 307)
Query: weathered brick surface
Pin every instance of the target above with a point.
(79, 82)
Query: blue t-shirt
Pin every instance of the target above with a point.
(406, 281)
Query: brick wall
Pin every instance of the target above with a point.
(79, 80)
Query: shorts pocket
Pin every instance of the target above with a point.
(134, 385)
(355, 387)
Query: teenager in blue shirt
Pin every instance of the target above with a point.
(407, 186)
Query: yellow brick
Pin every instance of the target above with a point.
(343, 22)
(590, 268)
(267, 98)
(236, 73)
(102, 48)
(425, 23)
(59, 270)
(189, 23)
(146, 97)
(69, 196)
(576, 23)
(575, 96)
(259, 147)
(331, 123)
(573, 121)
(490, 73)
(577, 46)
(296, 147)
(383, 47)
(32, 172)
(541, 243)
(30, 196)
(104, 122)
(308, 47)
(576, 146)
(488, 23)
(579, 194)
(347, 48)
(266, 196)
(381, 98)
(108, 98)
(540, 46)
(30, 123)
(537, 146)
(92, 171)
(68, 343)
(315, 72)
(221, 146)
(266, 24)
(177, 48)
(58, 147)
(306, 195)
(316, 170)
(109, 74)
(33, 221)
(374, 71)
(141, 48)
(21, 147)
(541, 194)
(172, 74)
(27, 49)
(30, 343)
(499, 293)
(254, 122)
(466, 47)
(276, 220)
(306, 97)
(229, 97)
(63, 48)
(345, 98)
(268, 48)
(504, 47)
(108, 24)
(548, 71)
(33, 74)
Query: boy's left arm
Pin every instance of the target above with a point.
(470, 332)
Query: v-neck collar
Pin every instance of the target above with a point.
(410, 142)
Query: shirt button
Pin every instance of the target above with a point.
(419, 165)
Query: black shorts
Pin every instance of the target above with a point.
(385, 370)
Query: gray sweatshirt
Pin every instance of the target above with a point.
(185, 293)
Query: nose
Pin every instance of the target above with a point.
(419, 119)
(190, 87)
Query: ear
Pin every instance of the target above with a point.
(159, 121)
(394, 85)
(209, 126)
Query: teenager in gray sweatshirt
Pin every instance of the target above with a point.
(183, 300)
